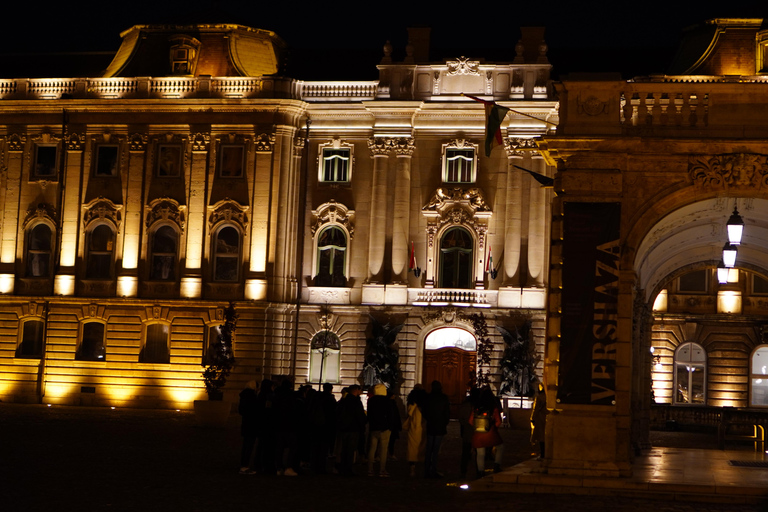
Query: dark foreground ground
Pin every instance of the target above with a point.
(80, 458)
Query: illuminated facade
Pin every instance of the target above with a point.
(137, 204)
(649, 173)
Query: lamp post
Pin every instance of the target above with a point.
(735, 227)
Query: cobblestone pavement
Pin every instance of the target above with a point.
(79, 458)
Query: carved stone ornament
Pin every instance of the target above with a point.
(75, 142)
(102, 208)
(403, 146)
(472, 197)
(42, 212)
(592, 106)
(15, 142)
(200, 141)
(165, 209)
(333, 213)
(228, 210)
(379, 146)
(92, 311)
(137, 142)
(463, 66)
(728, 171)
(265, 143)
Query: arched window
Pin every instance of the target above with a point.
(456, 247)
(92, 347)
(226, 255)
(690, 374)
(759, 377)
(39, 251)
(324, 357)
(164, 249)
(101, 246)
(156, 348)
(331, 257)
(31, 346)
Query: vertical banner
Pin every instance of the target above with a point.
(587, 371)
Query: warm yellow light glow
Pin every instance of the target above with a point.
(127, 286)
(729, 301)
(68, 250)
(6, 283)
(184, 397)
(64, 285)
(119, 395)
(131, 251)
(191, 287)
(259, 254)
(255, 289)
(54, 391)
(660, 304)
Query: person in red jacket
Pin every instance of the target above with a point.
(486, 418)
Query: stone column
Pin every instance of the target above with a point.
(286, 170)
(192, 275)
(127, 279)
(401, 214)
(64, 281)
(513, 219)
(15, 149)
(537, 226)
(256, 281)
(373, 288)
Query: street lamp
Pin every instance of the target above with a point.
(735, 227)
(729, 255)
(722, 273)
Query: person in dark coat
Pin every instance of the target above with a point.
(486, 417)
(437, 416)
(379, 425)
(397, 425)
(350, 420)
(467, 429)
(249, 412)
(286, 419)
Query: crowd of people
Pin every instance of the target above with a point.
(287, 432)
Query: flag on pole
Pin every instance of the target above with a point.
(489, 261)
(494, 116)
(412, 260)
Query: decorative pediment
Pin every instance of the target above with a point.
(333, 213)
(102, 208)
(734, 170)
(447, 197)
(43, 211)
(166, 209)
(228, 210)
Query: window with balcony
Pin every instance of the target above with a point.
(331, 257)
(38, 257)
(690, 374)
(101, 247)
(164, 254)
(226, 254)
(456, 259)
(92, 346)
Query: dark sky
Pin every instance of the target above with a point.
(579, 34)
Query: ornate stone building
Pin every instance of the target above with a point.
(137, 204)
(649, 173)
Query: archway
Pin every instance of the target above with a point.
(449, 357)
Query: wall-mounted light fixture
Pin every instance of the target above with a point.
(735, 227)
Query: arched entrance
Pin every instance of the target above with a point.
(449, 357)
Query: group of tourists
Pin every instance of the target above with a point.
(287, 432)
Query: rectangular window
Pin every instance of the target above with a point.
(693, 282)
(92, 346)
(459, 165)
(45, 162)
(168, 161)
(759, 285)
(31, 346)
(211, 345)
(335, 165)
(106, 161)
(231, 161)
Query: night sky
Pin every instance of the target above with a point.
(629, 37)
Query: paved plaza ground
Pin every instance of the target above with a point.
(83, 458)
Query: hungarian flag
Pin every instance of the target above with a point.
(494, 116)
(489, 261)
(412, 260)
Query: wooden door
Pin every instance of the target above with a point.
(452, 367)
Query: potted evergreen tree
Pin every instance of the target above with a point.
(221, 359)
(381, 362)
(518, 369)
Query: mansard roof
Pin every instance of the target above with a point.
(209, 49)
(721, 46)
